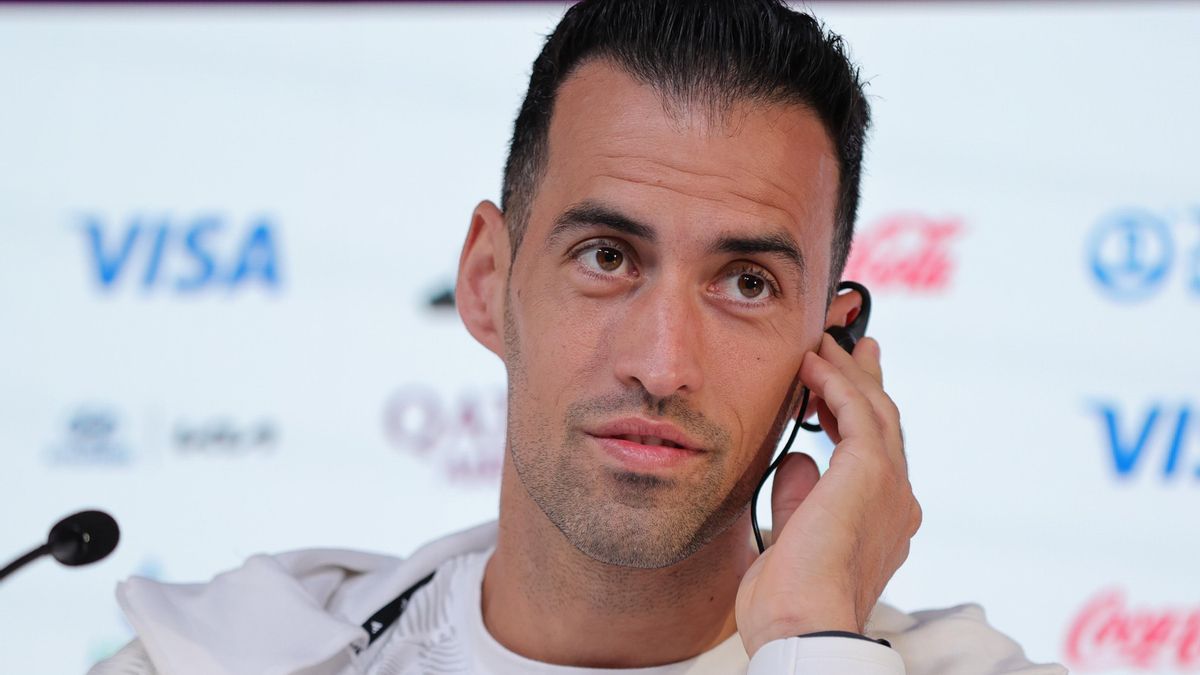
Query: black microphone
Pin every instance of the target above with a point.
(79, 539)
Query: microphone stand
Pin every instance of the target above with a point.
(24, 560)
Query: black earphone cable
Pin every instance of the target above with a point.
(775, 465)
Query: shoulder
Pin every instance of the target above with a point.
(956, 639)
(291, 609)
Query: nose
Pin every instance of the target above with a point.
(660, 344)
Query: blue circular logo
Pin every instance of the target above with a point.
(1130, 253)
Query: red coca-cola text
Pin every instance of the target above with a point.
(905, 251)
(1107, 634)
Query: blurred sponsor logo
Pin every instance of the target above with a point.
(905, 251)
(161, 253)
(92, 438)
(463, 434)
(1107, 634)
(1159, 431)
(225, 436)
(1132, 252)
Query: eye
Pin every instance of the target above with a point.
(609, 259)
(604, 258)
(751, 286)
(748, 284)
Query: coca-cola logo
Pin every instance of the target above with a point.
(1108, 634)
(905, 251)
(462, 434)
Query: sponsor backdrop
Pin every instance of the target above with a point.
(229, 235)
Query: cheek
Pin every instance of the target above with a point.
(752, 376)
(563, 341)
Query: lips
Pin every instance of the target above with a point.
(641, 431)
(648, 440)
(647, 446)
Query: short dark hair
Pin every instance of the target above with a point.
(712, 52)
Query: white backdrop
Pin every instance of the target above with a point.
(224, 231)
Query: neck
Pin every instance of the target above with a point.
(546, 601)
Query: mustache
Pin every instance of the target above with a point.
(674, 408)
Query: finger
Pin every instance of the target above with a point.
(866, 355)
(852, 411)
(868, 382)
(794, 479)
(861, 368)
(828, 422)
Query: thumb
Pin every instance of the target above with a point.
(794, 479)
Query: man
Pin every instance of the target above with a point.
(678, 206)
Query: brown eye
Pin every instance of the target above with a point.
(750, 286)
(609, 259)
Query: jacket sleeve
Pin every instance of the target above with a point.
(825, 656)
(131, 659)
(953, 641)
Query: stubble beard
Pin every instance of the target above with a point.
(623, 518)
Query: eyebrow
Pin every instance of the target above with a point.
(589, 214)
(775, 243)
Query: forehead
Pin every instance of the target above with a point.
(613, 137)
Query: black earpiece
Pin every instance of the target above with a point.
(846, 337)
(849, 336)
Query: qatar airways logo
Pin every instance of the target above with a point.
(905, 251)
(462, 434)
(1109, 634)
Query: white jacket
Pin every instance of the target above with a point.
(300, 613)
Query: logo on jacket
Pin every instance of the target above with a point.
(1108, 634)
(164, 253)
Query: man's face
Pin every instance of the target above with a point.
(673, 272)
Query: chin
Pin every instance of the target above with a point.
(637, 538)
(628, 519)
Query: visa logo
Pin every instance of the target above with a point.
(185, 256)
(1154, 436)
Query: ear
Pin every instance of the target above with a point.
(844, 309)
(482, 276)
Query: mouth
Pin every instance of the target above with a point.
(645, 446)
(644, 457)
(649, 440)
(647, 432)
